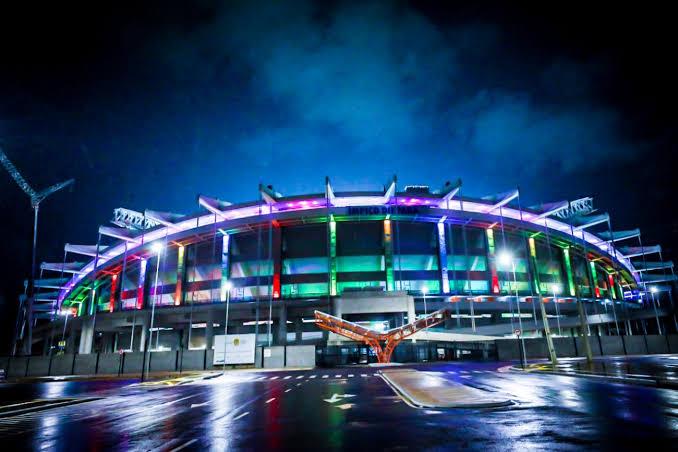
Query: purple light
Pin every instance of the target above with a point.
(303, 203)
(290, 204)
(315, 203)
(427, 202)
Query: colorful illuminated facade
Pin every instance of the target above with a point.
(299, 253)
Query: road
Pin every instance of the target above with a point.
(347, 408)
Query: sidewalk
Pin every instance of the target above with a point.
(425, 390)
(654, 370)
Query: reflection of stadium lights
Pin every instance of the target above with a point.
(653, 289)
(556, 288)
(157, 247)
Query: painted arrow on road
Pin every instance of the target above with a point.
(337, 397)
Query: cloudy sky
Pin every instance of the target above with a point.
(149, 105)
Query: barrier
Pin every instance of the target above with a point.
(300, 356)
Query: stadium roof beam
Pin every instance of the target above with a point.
(50, 283)
(167, 219)
(213, 205)
(364, 200)
(449, 191)
(67, 267)
(131, 219)
(269, 195)
(84, 250)
(46, 296)
(650, 279)
(649, 266)
(635, 251)
(117, 233)
(616, 236)
(501, 199)
(591, 220)
(552, 208)
(329, 193)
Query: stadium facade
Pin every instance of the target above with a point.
(163, 280)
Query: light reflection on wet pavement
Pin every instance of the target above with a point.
(248, 410)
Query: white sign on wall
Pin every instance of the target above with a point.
(239, 349)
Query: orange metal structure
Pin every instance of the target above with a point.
(390, 339)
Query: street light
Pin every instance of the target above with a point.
(227, 285)
(424, 291)
(505, 257)
(557, 289)
(157, 248)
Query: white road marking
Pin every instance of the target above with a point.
(288, 390)
(325, 376)
(273, 378)
(195, 405)
(183, 446)
(241, 416)
(261, 378)
(350, 375)
(337, 397)
(298, 384)
(270, 400)
(363, 375)
(453, 372)
(287, 377)
(345, 406)
(300, 376)
(465, 376)
(337, 376)
(312, 376)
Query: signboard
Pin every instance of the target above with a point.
(267, 353)
(239, 349)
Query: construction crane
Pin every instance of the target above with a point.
(36, 198)
(374, 339)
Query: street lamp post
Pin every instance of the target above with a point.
(653, 290)
(227, 286)
(424, 291)
(556, 289)
(506, 258)
(157, 247)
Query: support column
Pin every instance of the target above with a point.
(144, 321)
(282, 325)
(388, 256)
(298, 324)
(209, 330)
(442, 257)
(86, 336)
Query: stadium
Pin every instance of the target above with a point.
(164, 282)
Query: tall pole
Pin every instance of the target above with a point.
(520, 317)
(228, 302)
(28, 344)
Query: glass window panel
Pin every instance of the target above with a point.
(456, 262)
(359, 284)
(360, 263)
(304, 265)
(304, 289)
(251, 268)
(415, 262)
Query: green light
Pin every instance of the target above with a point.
(568, 270)
(490, 240)
(333, 257)
(388, 254)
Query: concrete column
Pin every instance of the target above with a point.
(209, 330)
(143, 322)
(86, 336)
(298, 324)
(70, 339)
(282, 325)
(411, 317)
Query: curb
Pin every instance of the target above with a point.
(624, 380)
(413, 402)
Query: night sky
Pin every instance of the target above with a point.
(147, 105)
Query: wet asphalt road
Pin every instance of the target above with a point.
(341, 409)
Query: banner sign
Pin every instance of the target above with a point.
(239, 349)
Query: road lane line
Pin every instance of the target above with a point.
(363, 375)
(337, 376)
(453, 372)
(325, 376)
(183, 446)
(273, 378)
(300, 376)
(350, 375)
(270, 400)
(312, 376)
(241, 416)
(287, 377)
(298, 384)
(288, 390)
(261, 378)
